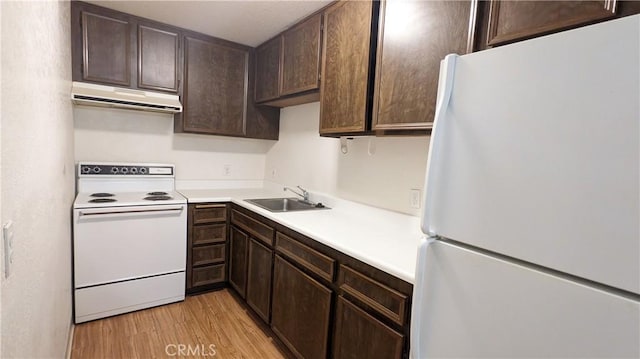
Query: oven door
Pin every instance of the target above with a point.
(116, 244)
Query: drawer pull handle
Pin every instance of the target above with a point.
(206, 206)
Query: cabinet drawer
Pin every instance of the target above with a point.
(387, 301)
(207, 275)
(207, 213)
(258, 230)
(208, 254)
(213, 233)
(305, 256)
(359, 335)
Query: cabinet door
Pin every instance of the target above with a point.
(345, 67)
(106, 50)
(517, 20)
(259, 279)
(301, 308)
(301, 57)
(238, 243)
(268, 57)
(262, 121)
(215, 88)
(360, 335)
(414, 37)
(157, 58)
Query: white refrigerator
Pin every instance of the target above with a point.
(532, 201)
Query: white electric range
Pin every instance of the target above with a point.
(130, 239)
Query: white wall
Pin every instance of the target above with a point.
(37, 188)
(300, 157)
(382, 179)
(103, 134)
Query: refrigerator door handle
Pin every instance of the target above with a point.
(445, 87)
(418, 305)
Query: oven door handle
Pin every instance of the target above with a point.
(129, 212)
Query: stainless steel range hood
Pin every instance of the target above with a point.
(83, 93)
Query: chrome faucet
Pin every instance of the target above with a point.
(304, 194)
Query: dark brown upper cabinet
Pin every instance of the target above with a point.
(216, 91)
(504, 22)
(301, 57)
(114, 48)
(263, 122)
(268, 57)
(214, 78)
(288, 66)
(414, 37)
(215, 87)
(347, 67)
(158, 58)
(106, 49)
(516, 20)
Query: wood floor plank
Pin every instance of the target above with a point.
(202, 325)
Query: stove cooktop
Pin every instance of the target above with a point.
(119, 199)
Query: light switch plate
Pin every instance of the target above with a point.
(415, 198)
(7, 241)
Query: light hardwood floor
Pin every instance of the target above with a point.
(213, 325)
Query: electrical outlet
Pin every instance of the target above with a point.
(7, 241)
(415, 198)
(226, 170)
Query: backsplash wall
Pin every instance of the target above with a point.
(383, 178)
(104, 134)
(301, 157)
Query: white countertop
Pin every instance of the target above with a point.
(383, 239)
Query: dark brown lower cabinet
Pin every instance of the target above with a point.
(207, 275)
(238, 243)
(359, 335)
(301, 310)
(319, 302)
(206, 247)
(259, 278)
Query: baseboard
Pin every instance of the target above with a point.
(72, 329)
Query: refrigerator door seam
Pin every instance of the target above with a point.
(541, 269)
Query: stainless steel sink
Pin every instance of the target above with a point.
(285, 204)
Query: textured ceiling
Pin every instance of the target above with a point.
(246, 22)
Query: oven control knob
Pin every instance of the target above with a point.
(86, 169)
(114, 170)
(124, 170)
(134, 170)
(97, 169)
(143, 170)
